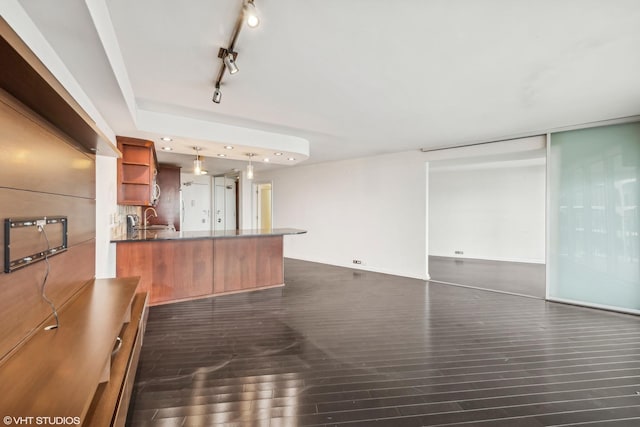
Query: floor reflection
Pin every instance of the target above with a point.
(342, 347)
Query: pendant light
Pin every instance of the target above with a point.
(197, 163)
(250, 167)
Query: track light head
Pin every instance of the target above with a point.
(251, 14)
(230, 63)
(217, 95)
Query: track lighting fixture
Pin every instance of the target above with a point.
(217, 95)
(250, 166)
(249, 14)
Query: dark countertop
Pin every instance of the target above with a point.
(155, 235)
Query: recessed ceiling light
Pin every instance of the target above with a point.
(266, 159)
(228, 147)
(222, 155)
(277, 154)
(203, 172)
(291, 159)
(167, 149)
(166, 139)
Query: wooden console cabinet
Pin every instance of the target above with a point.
(84, 370)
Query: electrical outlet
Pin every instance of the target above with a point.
(357, 261)
(40, 223)
(459, 252)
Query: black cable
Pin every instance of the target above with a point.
(44, 282)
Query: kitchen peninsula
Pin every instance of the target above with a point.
(175, 265)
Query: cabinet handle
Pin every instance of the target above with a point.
(118, 346)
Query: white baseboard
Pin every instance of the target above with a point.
(366, 268)
(523, 260)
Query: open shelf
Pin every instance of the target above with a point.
(135, 163)
(136, 171)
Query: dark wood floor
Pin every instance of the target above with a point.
(342, 347)
(514, 277)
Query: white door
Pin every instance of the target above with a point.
(196, 203)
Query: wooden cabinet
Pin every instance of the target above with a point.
(137, 170)
(247, 263)
(83, 370)
(169, 270)
(176, 270)
(168, 207)
(111, 401)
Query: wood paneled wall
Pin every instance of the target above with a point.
(42, 173)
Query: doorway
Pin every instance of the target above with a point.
(487, 222)
(262, 205)
(225, 203)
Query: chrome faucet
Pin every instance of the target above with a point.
(146, 218)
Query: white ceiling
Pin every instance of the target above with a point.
(335, 79)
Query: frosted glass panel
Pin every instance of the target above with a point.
(593, 224)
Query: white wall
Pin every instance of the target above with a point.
(106, 210)
(373, 209)
(495, 213)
